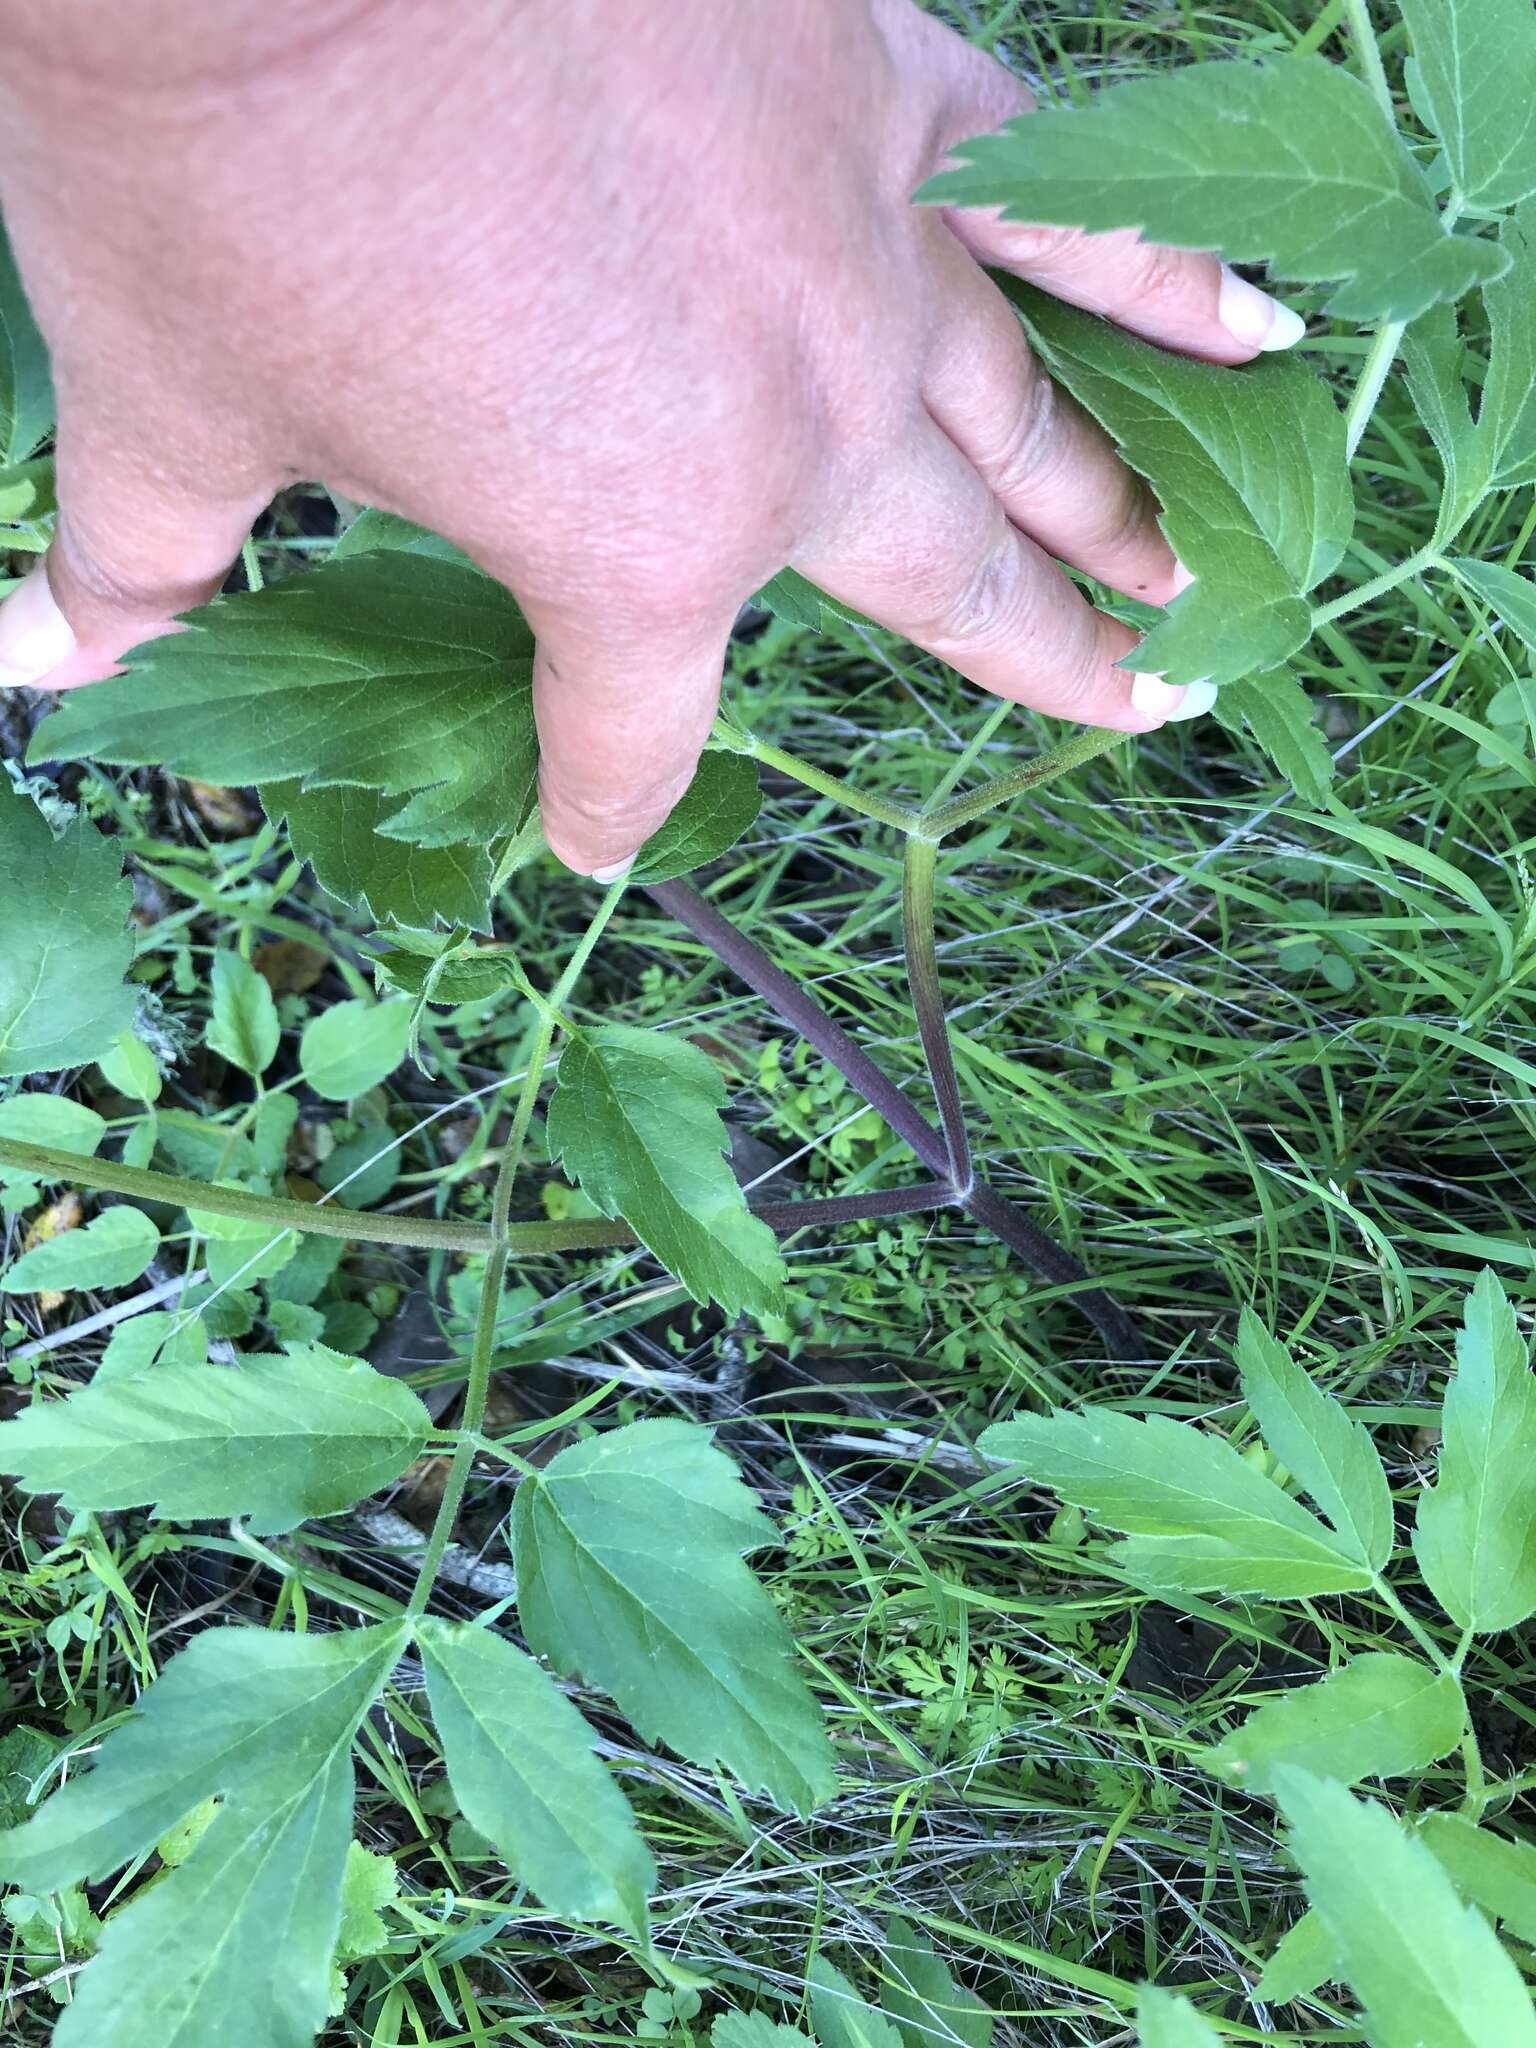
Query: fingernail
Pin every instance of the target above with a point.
(1171, 702)
(619, 869)
(1182, 579)
(35, 636)
(1253, 318)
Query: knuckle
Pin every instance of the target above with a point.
(976, 603)
(1026, 455)
(1160, 275)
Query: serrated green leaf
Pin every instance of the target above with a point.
(1197, 1517)
(520, 1761)
(337, 832)
(1165, 2019)
(843, 2019)
(1313, 1436)
(52, 1120)
(247, 1925)
(64, 941)
(277, 1439)
(924, 2000)
(1289, 162)
(26, 385)
(795, 599)
(145, 1339)
(463, 977)
(1434, 356)
(1425, 1967)
(1498, 1875)
(373, 531)
(1506, 419)
(1378, 1716)
(628, 1550)
(131, 1068)
(242, 1027)
(1305, 1957)
(396, 671)
(755, 2030)
(718, 806)
(1249, 469)
(113, 1250)
(1477, 84)
(1512, 597)
(353, 1046)
(1277, 711)
(636, 1121)
(1475, 1537)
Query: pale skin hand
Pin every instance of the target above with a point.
(629, 302)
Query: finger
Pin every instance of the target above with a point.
(623, 718)
(929, 552)
(1053, 469)
(136, 544)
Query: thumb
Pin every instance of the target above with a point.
(622, 720)
(135, 545)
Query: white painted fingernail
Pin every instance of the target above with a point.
(619, 869)
(1255, 319)
(1182, 579)
(35, 636)
(1196, 699)
(1154, 698)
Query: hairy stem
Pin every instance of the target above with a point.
(1373, 377)
(1363, 36)
(928, 1002)
(880, 808)
(1389, 579)
(804, 1014)
(1083, 746)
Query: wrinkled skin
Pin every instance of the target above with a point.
(630, 302)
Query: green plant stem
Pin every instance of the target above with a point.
(1389, 579)
(917, 877)
(880, 808)
(1363, 36)
(1373, 377)
(1083, 746)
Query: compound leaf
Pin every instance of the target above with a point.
(243, 1026)
(393, 670)
(1379, 1716)
(843, 2019)
(113, 1250)
(1498, 1875)
(64, 941)
(337, 831)
(247, 1924)
(717, 807)
(26, 386)
(1311, 1434)
(1197, 1517)
(353, 1046)
(520, 1761)
(929, 2007)
(1249, 469)
(1290, 163)
(628, 1550)
(1277, 711)
(1424, 1966)
(1475, 1538)
(1165, 2019)
(636, 1120)
(1476, 82)
(277, 1439)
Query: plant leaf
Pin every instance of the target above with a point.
(337, 832)
(636, 1120)
(1475, 1538)
(1506, 420)
(131, 1068)
(247, 1925)
(466, 976)
(243, 1026)
(1164, 2019)
(1311, 1434)
(520, 1761)
(26, 386)
(1249, 469)
(52, 1120)
(628, 1550)
(1198, 1517)
(1275, 709)
(1498, 1875)
(843, 2019)
(1305, 1957)
(755, 2030)
(1425, 1967)
(278, 1439)
(1434, 357)
(113, 1250)
(1477, 83)
(1378, 1716)
(1290, 163)
(64, 941)
(923, 1999)
(394, 670)
(353, 1046)
(239, 1252)
(1512, 597)
(718, 806)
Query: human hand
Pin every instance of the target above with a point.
(630, 304)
